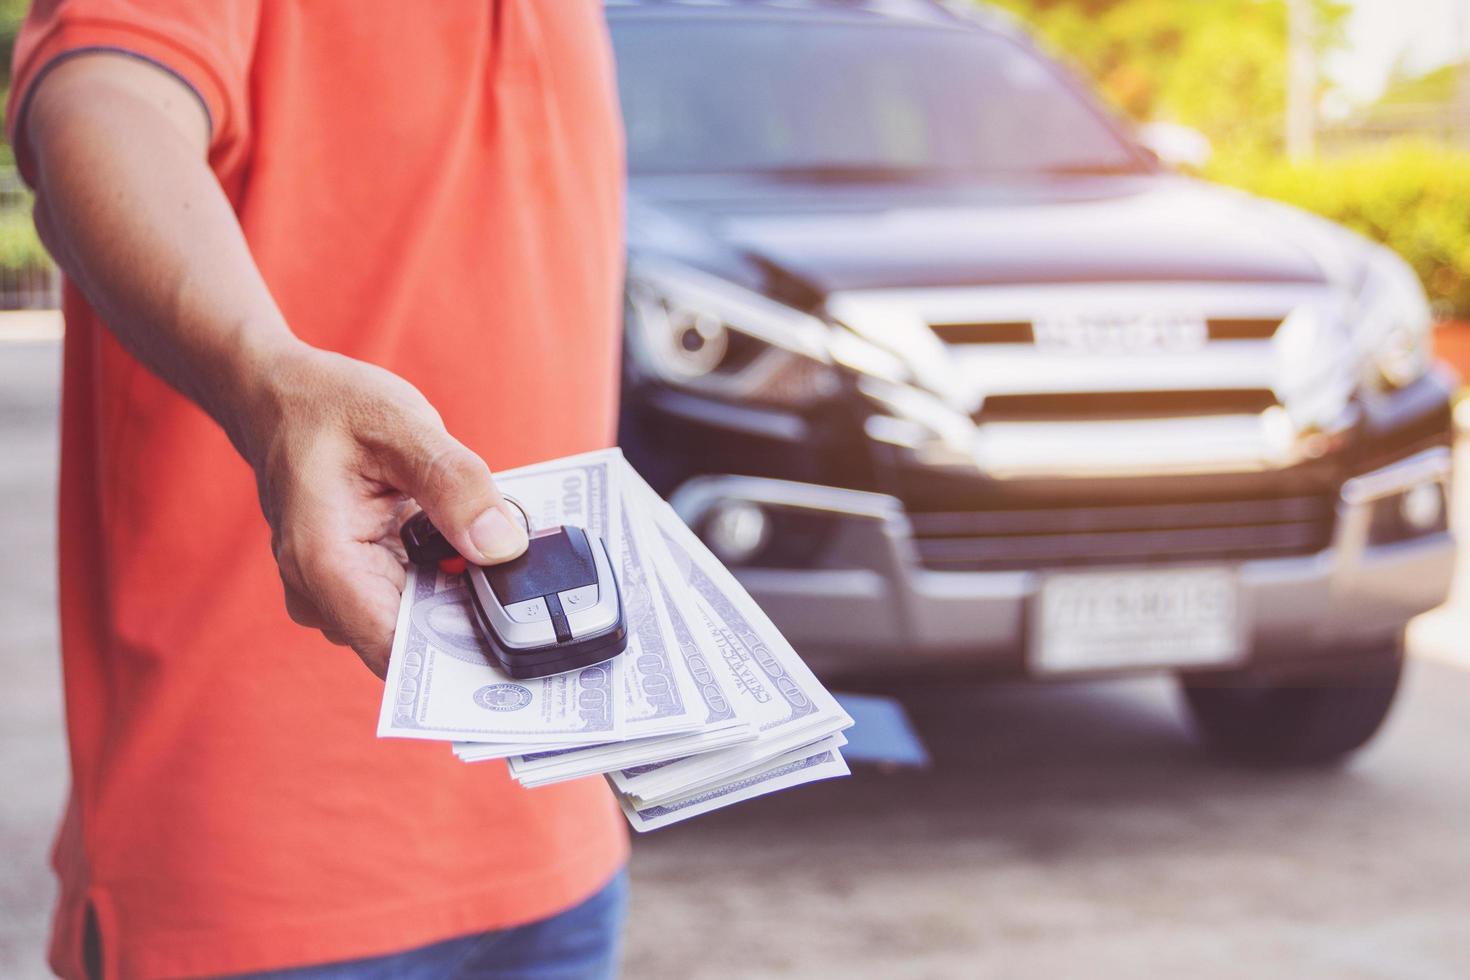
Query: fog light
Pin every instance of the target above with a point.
(1421, 507)
(735, 530)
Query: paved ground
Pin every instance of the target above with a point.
(1067, 831)
(32, 753)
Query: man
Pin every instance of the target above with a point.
(323, 259)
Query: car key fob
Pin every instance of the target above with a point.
(555, 608)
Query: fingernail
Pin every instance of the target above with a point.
(496, 537)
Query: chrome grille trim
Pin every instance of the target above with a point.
(1023, 331)
(1258, 395)
(1062, 537)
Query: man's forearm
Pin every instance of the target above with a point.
(127, 203)
(130, 208)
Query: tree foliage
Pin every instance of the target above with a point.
(12, 12)
(1217, 65)
(1437, 87)
(1220, 66)
(1412, 196)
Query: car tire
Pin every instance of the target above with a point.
(1311, 720)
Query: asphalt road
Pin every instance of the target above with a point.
(1068, 831)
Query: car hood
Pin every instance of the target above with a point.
(1077, 229)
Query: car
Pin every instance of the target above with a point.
(956, 376)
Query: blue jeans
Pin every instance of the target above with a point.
(582, 943)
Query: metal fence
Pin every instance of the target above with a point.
(1435, 122)
(29, 280)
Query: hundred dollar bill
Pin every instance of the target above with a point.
(831, 742)
(658, 693)
(705, 717)
(770, 684)
(627, 756)
(774, 738)
(442, 685)
(721, 723)
(441, 682)
(707, 707)
(658, 696)
(821, 764)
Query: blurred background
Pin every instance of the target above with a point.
(1358, 111)
(949, 333)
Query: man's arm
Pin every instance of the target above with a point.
(127, 204)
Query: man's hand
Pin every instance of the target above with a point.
(341, 451)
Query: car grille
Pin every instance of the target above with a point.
(1093, 405)
(1022, 332)
(1219, 531)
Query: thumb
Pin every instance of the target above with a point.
(456, 490)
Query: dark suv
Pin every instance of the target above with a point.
(951, 371)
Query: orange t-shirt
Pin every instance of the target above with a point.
(432, 187)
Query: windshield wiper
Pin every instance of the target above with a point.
(1091, 169)
(847, 173)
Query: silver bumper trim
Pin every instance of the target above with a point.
(694, 498)
(1430, 465)
(889, 609)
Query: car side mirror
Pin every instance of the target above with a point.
(1176, 146)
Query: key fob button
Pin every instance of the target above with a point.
(529, 611)
(554, 609)
(583, 598)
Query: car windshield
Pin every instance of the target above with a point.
(834, 101)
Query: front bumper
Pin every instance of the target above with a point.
(872, 606)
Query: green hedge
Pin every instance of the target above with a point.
(1413, 197)
(20, 246)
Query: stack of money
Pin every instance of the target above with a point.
(708, 706)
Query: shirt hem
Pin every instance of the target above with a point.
(362, 933)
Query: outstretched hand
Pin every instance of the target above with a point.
(342, 451)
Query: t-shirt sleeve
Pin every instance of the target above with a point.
(206, 44)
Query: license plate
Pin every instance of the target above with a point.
(1116, 620)
(1104, 334)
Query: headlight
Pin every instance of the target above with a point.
(1394, 324)
(699, 332)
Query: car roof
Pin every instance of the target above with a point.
(940, 13)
